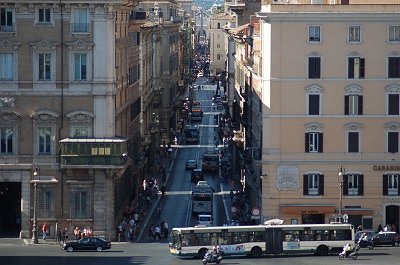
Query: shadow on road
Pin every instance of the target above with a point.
(75, 260)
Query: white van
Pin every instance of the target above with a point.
(205, 219)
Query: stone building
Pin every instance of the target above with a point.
(60, 156)
(330, 108)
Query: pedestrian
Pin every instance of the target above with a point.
(44, 231)
(151, 232)
(157, 233)
(231, 195)
(59, 234)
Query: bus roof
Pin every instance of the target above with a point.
(186, 230)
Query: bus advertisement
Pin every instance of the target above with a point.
(258, 240)
(202, 199)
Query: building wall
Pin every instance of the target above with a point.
(217, 45)
(61, 103)
(285, 118)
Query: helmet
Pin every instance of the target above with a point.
(215, 248)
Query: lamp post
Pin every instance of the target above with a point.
(34, 239)
(341, 171)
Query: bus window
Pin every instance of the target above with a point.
(292, 235)
(202, 239)
(227, 238)
(187, 239)
(214, 239)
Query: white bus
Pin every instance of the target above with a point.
(255, 241)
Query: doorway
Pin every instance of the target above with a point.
(392, 216)
(10, 205)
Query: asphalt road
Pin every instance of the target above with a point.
(157, 253)
(176, 204)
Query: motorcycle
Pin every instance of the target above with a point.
(349, 254)
(210, 257)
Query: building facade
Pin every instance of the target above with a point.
(330, 111)
(60, 156)
(218, 20)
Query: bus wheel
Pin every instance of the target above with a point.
(322, 251)
(256, 252)
(202, 252)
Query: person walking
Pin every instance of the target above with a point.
(44, 231)
(157, 233)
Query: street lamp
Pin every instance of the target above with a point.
(341, 171)
(34, 239)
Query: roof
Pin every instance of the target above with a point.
(241, 29)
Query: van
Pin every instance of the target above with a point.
(205, 219)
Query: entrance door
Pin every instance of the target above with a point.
(10, 205)
(393, 216)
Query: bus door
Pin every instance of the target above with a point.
(274, 240)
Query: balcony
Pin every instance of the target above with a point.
(93, 152)
(7, 28)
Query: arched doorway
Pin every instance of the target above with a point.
(393, 216)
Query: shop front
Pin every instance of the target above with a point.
(306, 214)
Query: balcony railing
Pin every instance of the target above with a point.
(4, 28)
(79, 27)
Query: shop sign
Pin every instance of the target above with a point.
(386, 167)
(312, 212)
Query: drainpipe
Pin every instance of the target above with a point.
(61, 105)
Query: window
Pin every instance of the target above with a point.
(313, 184)
(81, 203)
(313, 104)
(45, 134)
(218, 56)
(353, 184)
(218, 25)
(353, 142)
(394, 33)
(6, 20)
(80, 21)
(356, 67)
(6, 138)
(45, 203)
(218, 45)
(80, 132)
(394, 67)
(314, 142)
(354, 34)
(393, 104)
(44, 66)
(80, 66)
(314, 67)
(353, 105)
(314, 34)
(393, 142)
(44, 15)
(6, 66)
(391, 184)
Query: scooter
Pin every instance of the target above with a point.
(209, 257)
(349, 254)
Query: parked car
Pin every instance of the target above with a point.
(384, 239)
(191, 164)
(197, 175)
(87, 243)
